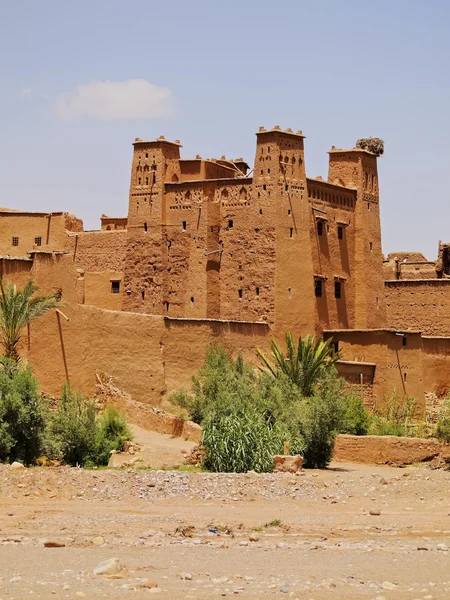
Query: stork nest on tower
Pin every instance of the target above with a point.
(372, 144)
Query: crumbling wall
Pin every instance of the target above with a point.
(98, 250)
(419, 305)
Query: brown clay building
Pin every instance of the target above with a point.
(210, 250)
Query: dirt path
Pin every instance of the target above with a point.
(248, 536)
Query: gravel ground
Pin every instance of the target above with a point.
(352, 531)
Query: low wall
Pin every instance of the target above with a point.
(387, 449)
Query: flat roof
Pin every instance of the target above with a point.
(22, 213)
(277, 129)
(356, 362)
(328, 183)
(379, 330)
(222, 179)
(340, 151)
(159, 140)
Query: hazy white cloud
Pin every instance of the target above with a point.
(24, 92)
(131, 99)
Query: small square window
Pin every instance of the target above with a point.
(15, 241)
(340, 232)
(257, 291)
(184, 225)
(291, 231)
(404, 340)
(38, 241)
(230, 224)
(319, 227)
(335, 347)
(115, 287)
(240, 294)
(318, 288)
(337, 289)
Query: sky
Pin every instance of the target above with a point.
(80, 80)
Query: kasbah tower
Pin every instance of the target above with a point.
(207, 241)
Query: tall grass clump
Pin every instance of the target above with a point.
(241, 442)
(395, 419)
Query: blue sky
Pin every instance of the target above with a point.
(210, 74)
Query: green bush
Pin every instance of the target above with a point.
(77, 436)
(112, 433)
(443, 424)
(22, 414)
(356, 419)
(320, 419)
(73, 429)
(247, 416)
(242, 442)
(222, 385)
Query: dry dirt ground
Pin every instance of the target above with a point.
(201, 536)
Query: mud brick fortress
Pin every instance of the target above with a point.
(212, 250)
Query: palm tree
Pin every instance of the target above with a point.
(17, 309)
(304, 364)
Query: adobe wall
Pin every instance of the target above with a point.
(398, 367)
(419, 305)
(16, 270)
(99, 292)
(436, 365)
(387, 449)
(98, 250)
(147, 355)
(39, 231)
(333, 258)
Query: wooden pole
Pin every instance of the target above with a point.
(286, 448)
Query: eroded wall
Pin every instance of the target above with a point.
(421, 305)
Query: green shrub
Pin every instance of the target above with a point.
(320, 419)
(443, 424)
(77, 436)
(112, 433)
(73, 428)
(242, 442)
(222, 385)
(22, 414)
(356, 419)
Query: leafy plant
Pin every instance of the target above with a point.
(356, 419)
(22, 415)
(73, 428)
(79, 437)
(112, 433)
(443, 424)
(18, 308)
(303, 364)
(222, 385)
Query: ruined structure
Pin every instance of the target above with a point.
(210, 249)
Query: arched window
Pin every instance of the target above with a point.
(174, 177)
(243, 194)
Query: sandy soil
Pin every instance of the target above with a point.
(309, 536)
